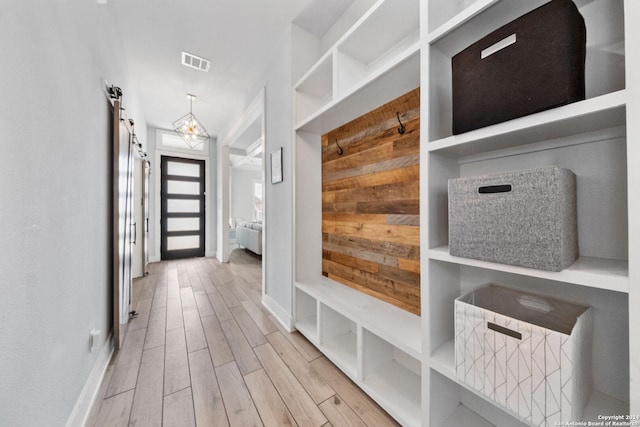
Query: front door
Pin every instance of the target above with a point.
(182, 208)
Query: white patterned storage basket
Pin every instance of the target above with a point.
(529, 354)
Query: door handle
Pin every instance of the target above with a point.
(135, 233)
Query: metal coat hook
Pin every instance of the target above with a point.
(340, 150)
(114, 92)
(401, 129)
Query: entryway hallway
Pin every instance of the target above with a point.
(203, 351)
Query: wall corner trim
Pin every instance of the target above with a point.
(87, 398)
(278, 312)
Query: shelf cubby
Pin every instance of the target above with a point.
(610, 372)
(599, 161)
(604, 68)
(306, 313)
(377, 89)
(599, 403)
(603, 112)
(338, 339)
(315, 89)
(394, 376)
(398, 327)
(453, 404)
(356, 75)
(359, 59)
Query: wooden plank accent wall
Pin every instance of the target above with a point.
(370, 203)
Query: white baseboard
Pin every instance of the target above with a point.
(154, 259)
(210, 254)
(89, 392)
(278, 312)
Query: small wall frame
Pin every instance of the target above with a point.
(276, 166)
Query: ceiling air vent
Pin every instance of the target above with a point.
(194, 61)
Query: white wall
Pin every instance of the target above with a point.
(54, 188)
(242, 193)
(278, 258)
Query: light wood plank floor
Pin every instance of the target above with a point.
(204, 351)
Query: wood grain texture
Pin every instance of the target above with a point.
(128, 363)
(254, 335)
(204, 306)
(261, 320)
(207, 398)
(371, 203)
(366, 409)
(240, 347)
(308, 350)
(115, 410)
(147, 402)
(178, 409)
(306, 375)
(237, 400)
(273, 411)
(302, 407)
(176, 364)
(217, 394)
(219, 349)
(141, 320)
(193, 330)
(339, 413)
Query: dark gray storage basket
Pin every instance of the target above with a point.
(525, 218)
(531, 64)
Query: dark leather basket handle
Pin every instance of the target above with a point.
(490, 189)
(505, 331)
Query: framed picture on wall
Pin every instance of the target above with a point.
(276, 166)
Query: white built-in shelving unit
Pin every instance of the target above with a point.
(406, 362)
(591, 138)
(376, 344)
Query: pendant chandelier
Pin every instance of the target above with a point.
(189, 128)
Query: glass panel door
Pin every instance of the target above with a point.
(182, 202)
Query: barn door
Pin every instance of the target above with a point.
(122, 214)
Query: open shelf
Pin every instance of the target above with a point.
(338, 339)
(374, 62)
(464, 416)
(457, 26)
(359, 59)
(463, 23)
(315, 89)
(602, 273)
(394, 325)
(606, 111)
(306, 316)
(442, 361)
(394, 376)
(388, 83)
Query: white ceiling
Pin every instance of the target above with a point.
(238, 36)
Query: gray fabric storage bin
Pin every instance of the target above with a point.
(525, 218)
